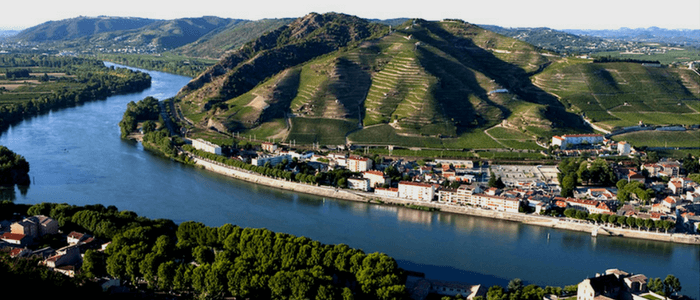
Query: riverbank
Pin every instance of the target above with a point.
(344, 194)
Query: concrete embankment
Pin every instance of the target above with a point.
(559, 223)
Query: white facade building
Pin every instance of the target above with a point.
(261, 160)
(416, 191)
(203, 145)
(361, 184)
(576, 139)
(623, 148)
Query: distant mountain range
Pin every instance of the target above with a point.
(651, 34)
(7, 33)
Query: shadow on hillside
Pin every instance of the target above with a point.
(351, 87)
(508, 75)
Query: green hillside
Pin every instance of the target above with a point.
(622, 94)
(214, 44)
(433, 84)
(80, 27)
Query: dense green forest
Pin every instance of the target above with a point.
(56, 82)
(213, 262)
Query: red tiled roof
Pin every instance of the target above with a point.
(387, 189)
(670, 200)
(12, 236)
(16, 251)
(75, 235)
(378, 173)
(415, 183)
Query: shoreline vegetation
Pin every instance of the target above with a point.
(37, 84)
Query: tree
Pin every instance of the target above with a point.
(671, 285)
(499, 183)
(656, 285)
(515, 285)
(167, 272)
(568, 185)
(148, 126)
(93, 264)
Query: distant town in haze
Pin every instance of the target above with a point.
(589, 131)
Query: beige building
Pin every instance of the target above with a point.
(416, 191)
(361, 184)
(35, 226)
(376, 178)
(359, 164)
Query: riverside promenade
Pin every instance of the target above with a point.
(530, 219)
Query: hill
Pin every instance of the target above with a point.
(555, 40)
(618, 94)
(436, 84)
(79, 27)
(217, 42)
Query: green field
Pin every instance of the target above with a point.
(661, 138)
(664, 58)
(323, 131)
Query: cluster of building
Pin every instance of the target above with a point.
(596, 144)
(25, 233)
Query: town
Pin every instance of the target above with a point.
(645, 197)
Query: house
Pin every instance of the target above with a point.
(623, 148)
(75, 238)
(635, 176)
(615, 284)
(359, 164)
(35, 226)
(68, 255)
(269, 147)
(447, 195)
(607, 286)
(676, 185)
(207, 146)
(361, 184)
(416, 191)
(16, 238)
(376, 178)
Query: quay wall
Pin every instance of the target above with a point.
(344, 194)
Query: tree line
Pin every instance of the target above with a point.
(621, 221)
(90, 81)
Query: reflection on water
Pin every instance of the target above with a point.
(415, 216)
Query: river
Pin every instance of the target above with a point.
(77, 157)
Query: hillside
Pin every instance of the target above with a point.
(687, 37)
(555, 40)
(114, 33)
(79, 27)
(619, 94)
(437, 84)
(217, 42)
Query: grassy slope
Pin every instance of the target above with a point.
(622, 94)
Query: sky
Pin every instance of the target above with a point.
(556, 14)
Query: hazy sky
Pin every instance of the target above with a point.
(557, 14)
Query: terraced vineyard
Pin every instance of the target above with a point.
(623, 94)
(424, 84)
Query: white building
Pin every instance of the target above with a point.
(361, 184)
(262, 159)
(203, 145)
(623, 148)
(269, 147)
(416, 191)
(386, 192)
(575, 139)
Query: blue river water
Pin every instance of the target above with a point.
(77, 157)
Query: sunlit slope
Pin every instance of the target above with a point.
(438, 83)
(623, 94)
